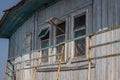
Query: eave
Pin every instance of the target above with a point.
(16, 16)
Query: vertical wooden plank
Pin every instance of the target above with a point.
(109, 60)
(98, 62)
(117, 51)
(89, 20)
(103, 54)
(104, 14)
(94, 15)
(117, 10)
(99, 15)
(110, 13)
(112, 59)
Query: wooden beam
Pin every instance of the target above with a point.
(89, 60)
(59, 64)
(65, 68)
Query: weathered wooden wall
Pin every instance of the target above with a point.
(103, 69)
(102, 14)
(105, 14)
(18, 39)
(107, 68)
(62, 9)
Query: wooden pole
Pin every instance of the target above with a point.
(33, 77)
(35, 69)
(60, 60)
(89, 60)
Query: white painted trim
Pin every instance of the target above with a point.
(79, 12)
(65, 54)
(44, 27)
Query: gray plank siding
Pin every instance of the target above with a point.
(61, 9)
(17, 40)
(102, 14)
(105, 13)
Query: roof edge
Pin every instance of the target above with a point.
(7, 11)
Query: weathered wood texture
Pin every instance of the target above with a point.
(107, 68)
(102, 14)
(62, 9)
(104, 69)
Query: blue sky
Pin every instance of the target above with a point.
(4, 4)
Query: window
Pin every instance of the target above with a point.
(28, 42)
(44, 34)
(78, 31)
(60, 37)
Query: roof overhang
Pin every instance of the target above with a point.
(16, 16)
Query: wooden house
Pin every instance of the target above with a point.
(86, 33)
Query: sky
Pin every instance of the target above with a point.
(4, 4)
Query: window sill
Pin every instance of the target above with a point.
(48, 65)
(63, 62)
(44, 63)
(79, 59)
(65, 68)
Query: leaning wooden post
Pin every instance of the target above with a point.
(89, 60)
(59, 64)
(35, 69)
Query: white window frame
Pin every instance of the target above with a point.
(47, 26)
(79, 12)
(55, 43)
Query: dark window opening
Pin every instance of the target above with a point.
(62, 26)
(80, 33)
(44, 44)
(45, 37)
(79, 21)
(79, 30)
(60, 37)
